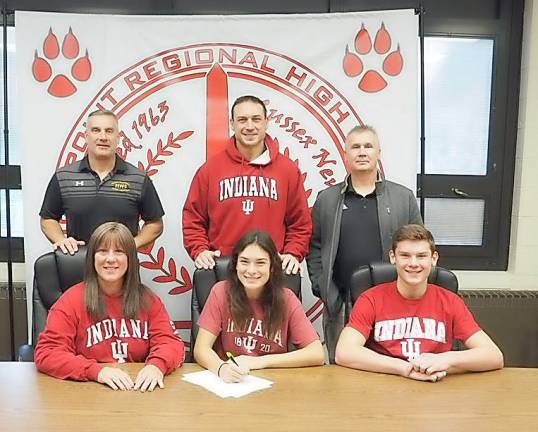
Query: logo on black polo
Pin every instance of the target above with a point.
(121, 186)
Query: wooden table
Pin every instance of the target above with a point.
(328, 398)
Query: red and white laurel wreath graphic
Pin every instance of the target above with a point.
(157, 262)
(42, 67)
(353, 63)
(169, 270)
(154, 159)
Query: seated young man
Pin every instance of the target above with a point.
(407, 327)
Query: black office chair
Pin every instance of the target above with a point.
(203, 281)
(377, 273)
(54, 273)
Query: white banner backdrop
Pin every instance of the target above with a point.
(166, 78)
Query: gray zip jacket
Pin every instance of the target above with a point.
(396, 206)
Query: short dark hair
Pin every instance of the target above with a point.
(249, 98)
(413, 232)
(103, 112)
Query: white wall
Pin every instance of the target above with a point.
(522, 268)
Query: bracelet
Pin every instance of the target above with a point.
(218, 370)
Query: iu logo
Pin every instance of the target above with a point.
(410, 348)
(248, 206)
(119, 350)
(246, 341)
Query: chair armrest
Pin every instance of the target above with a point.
(26, 353)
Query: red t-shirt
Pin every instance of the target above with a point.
(399, 327)
(73, 344)
(215, 318)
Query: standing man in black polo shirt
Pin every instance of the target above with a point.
(353, 224)
(100, 188)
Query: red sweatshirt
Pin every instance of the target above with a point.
(230, 196)
(73, 344)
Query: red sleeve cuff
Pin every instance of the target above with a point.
(293, 252)
(159, 363)
(93, 371)
(197, 250)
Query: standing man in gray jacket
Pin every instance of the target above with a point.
(353, 226)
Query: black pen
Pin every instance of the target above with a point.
(231, 357)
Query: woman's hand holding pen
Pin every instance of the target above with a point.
(232, 373)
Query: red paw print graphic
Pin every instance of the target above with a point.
(372, 81)
(61, 85)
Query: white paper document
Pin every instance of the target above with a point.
(214, 384)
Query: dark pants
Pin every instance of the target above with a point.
(333, 326)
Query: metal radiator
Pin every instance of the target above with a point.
(19, 316)
(511, 319)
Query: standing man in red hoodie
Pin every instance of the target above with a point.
(249, 185)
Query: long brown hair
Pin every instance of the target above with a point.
(272, 297)
(135, 294)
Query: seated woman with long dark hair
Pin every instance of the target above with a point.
(110, 317)
(254, 317)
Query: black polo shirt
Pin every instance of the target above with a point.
(125, 195)
(360, 240)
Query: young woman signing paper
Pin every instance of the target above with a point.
(253, 316)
